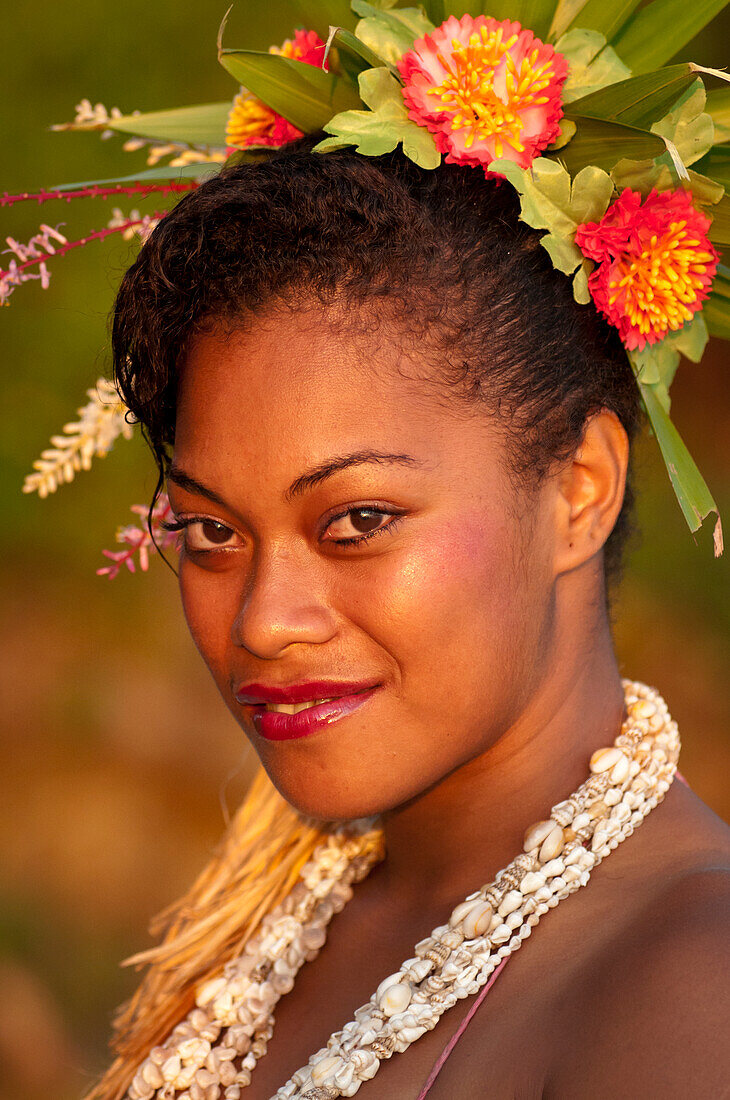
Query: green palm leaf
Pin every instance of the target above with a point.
(695, 499)
(204, 124)
(716, 165)
(720, 228)
(716, 309)
(306, 96)
(537, 15)
(453, 7)
(660, 29)
(639, 101)
(436, 11)
(718, 104)
(322, 15)
(604, 144)
(161, 174)
(596, 15)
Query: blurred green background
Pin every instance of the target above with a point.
(120, 760)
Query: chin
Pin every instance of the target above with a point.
(329, 801)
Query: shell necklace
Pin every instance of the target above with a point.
(213, 1052)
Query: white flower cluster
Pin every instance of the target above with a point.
(100, 423)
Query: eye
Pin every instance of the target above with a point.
(203, 535)
(366, 522)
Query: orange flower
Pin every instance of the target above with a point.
(485, 90)
(656, 263)
(250, 121)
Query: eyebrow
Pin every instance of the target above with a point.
(314, 476)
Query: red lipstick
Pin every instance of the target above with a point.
(343, 698)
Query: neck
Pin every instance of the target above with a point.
(458, 834)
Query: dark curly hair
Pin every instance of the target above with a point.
(440, 256)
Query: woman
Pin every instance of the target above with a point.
(397, 451)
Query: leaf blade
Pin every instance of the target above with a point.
(303, 94)
(202, 124)
(640, 100)
(695, 498)
(603, 144)
(658, 31)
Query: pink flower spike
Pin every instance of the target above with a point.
(485, 89)
(137, 539)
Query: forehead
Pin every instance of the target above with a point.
(289, 390)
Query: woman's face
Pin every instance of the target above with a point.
(447, 607)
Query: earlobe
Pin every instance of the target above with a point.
(591, 491)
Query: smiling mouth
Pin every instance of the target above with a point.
(295, 708)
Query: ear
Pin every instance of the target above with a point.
(591, 491)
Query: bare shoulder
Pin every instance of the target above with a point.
(656, 1004)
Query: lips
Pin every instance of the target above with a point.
(276, 726)
(256, 694)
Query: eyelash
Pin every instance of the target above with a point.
(182, 524)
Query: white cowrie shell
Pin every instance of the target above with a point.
(392, 979)
(552, 845)
(326, 1067)
(460, 912)
(537, 833)
(478, 920)
(395, 999)
(605, 759)
(620, 770)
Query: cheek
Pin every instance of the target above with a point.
(455, 613)
(210, 602)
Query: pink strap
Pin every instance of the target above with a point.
(438, 1065)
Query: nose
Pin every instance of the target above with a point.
(284, 602)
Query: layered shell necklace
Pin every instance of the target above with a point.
(212, 1053)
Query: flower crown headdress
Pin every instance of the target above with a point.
(570, 101)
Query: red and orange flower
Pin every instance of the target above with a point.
(485, 90)
(250, 121)
(656, 263)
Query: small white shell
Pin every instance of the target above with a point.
(643, 709)
(501, 934)
(410, 1034)
(553, 867)
(210, 990)
(532, 881)
(514, 920)
(171, 1068)
(512, 900)
(395, 999)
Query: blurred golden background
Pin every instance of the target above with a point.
(120, 759)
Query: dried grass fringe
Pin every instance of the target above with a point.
(262, 854)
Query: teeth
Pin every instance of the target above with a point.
(294, 708)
